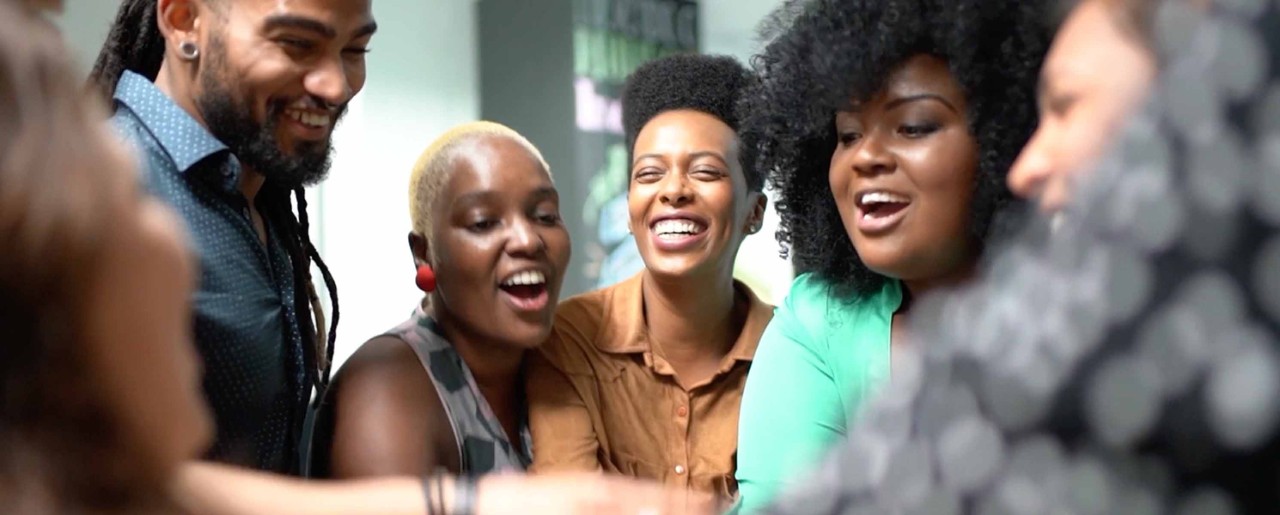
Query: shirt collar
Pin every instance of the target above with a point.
(626, 331)
(181, 136)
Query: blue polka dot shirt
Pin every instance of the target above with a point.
(246, 327)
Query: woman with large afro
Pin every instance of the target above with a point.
(887, 128)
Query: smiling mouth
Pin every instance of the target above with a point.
(677, 228)
(528, 289)
(879, 212)
(880, 204)
(309, 119)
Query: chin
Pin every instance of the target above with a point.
(527, 344)
(530, 338)
(677, 267)
(883, 262)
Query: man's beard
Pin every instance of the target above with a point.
(231, 121)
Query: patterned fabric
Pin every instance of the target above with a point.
(246, 328)
(483, 446)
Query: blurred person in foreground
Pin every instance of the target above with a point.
(98, 379)
(1125, 358)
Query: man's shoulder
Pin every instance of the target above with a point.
(133, 132)
(156, 168)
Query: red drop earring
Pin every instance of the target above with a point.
(426, 278)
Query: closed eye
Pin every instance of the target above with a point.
(296, 44)
(709, 174)
(646, 175)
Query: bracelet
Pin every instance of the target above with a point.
(464, 496)
(439, 483)
(427, 483)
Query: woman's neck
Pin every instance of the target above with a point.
(692, 319)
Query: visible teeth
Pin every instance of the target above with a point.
(880, 197)
(309, 119)
(525, 278)
(677, 226)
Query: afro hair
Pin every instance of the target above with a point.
(820, 54)
(712, 84)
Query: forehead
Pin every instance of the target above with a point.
(342, 15)
(494, 164)
(685, 129)
(918, 75)
(1085, 44)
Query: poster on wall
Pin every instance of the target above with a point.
(611, 39)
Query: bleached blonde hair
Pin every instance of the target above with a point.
(434, 167)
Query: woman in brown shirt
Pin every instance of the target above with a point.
(644, 378)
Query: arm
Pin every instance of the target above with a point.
(564, 437)
(209, 489)
(388, 418)
(791, 410)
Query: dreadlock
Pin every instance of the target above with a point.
(294, 233)
(302, 275)
(135, 44)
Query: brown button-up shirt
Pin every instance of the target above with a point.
(601, 397)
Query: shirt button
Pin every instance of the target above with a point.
(680, 470)
(682, 411)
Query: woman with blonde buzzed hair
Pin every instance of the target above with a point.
(444, 389)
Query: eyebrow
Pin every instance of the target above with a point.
(311, 25)
(916, 98)
(479, 196)
(546, 192)
(692, 155)
(366, 30)
(473, 197)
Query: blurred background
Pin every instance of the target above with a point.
(551, 69)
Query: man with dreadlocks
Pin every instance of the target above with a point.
(232, 105)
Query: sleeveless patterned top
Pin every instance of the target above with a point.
(483, 446)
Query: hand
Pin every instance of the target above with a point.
(585, 493)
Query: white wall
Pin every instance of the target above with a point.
(422, 80)
(729, 27)
(84, 25)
